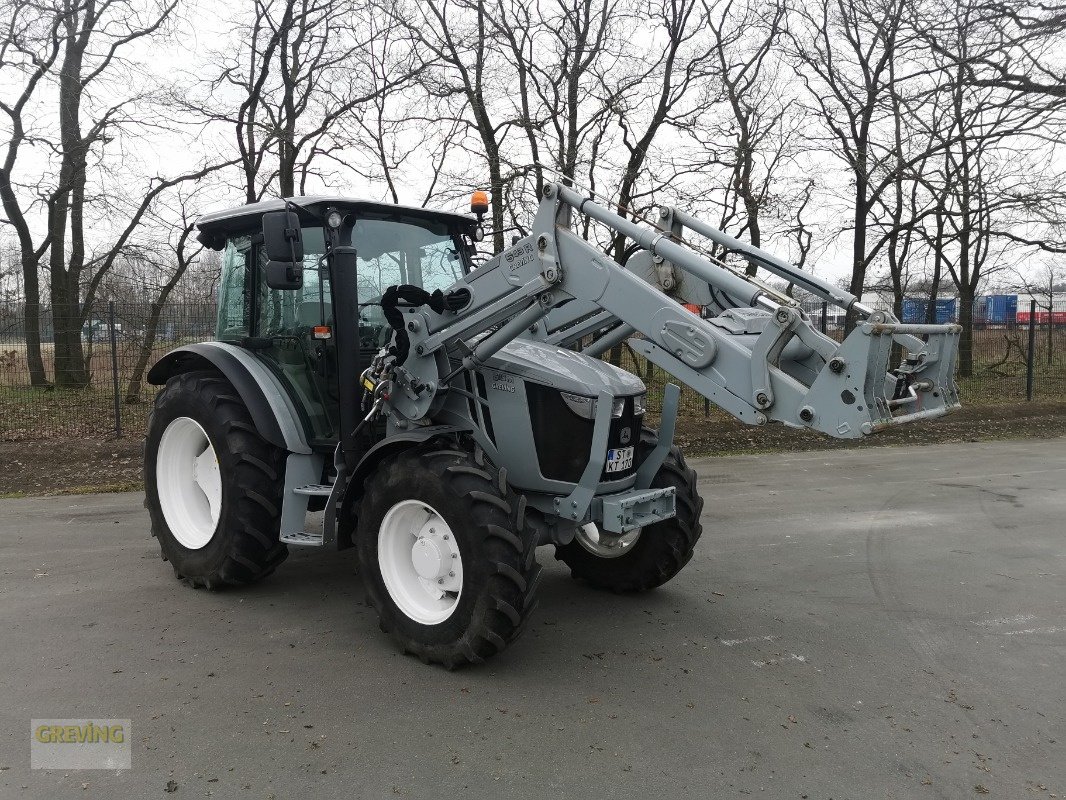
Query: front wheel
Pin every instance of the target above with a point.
(646, 557)
(447, 559)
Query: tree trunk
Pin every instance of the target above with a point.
(70, 367)
(496, 193)
(65, 275)
(858, 252)
(1050, 355)
(930, 308)
(29, 258)
(32, 318)
(133, 388)
(966, 297)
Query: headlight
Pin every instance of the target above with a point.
(640, 404)
(585, 407)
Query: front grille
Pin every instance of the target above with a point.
(563, 439)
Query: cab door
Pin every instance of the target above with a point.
(285, 322)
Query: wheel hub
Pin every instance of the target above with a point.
(188, 483)
(420, 562)
(427, 559)
(605, 545)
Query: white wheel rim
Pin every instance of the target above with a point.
(606, 545)
(188, 483)
(420, 562)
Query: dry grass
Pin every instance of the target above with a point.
(28, 413)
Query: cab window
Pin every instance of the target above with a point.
(287, 312)
(234, 296)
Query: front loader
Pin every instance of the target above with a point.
(447, 419)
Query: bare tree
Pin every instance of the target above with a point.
(178, 254)
(395, 136)
(457, 64)
(848, 54)
(994, 182)
(299, 75)
(563, 53)
(1046, 284)
(660, 96)
(1023, 52)
(30, 46)
(756, 131)
(76, 49)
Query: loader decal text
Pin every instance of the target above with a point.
(518, 257)
(502, 382)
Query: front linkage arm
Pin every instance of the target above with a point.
(761, 362)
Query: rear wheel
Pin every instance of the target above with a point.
(445, 554)
(647, 557)
(212, 484)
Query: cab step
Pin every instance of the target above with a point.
(314, 489)
(302, 539)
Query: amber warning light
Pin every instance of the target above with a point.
(479, 203)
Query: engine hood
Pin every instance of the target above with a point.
(563, 369)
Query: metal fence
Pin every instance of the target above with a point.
(1011, 362)
(119, 343)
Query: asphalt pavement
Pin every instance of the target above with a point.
(884, 623)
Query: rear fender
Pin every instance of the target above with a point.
(272, 410)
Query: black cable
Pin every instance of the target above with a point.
(416, 296)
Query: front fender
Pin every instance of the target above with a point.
(369, 462)
(272, 410)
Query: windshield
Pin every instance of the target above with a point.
(399, 250)
(404, 250)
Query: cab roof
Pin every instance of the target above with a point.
(215, 226)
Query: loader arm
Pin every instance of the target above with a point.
(761, 361)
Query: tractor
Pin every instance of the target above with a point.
(449, 415)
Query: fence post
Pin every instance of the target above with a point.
(114, 366)
(1029, 356)
(825, 312)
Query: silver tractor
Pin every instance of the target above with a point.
(448, 419)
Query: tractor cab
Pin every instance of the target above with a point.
(293, 329)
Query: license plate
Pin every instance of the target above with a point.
(620, 459)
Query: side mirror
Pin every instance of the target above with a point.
(284, 275)
(282, 238)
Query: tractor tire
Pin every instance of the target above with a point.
(446, 557)
(213, 485)
(658, 553)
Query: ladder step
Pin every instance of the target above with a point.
(302, 539)
(315, 489)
